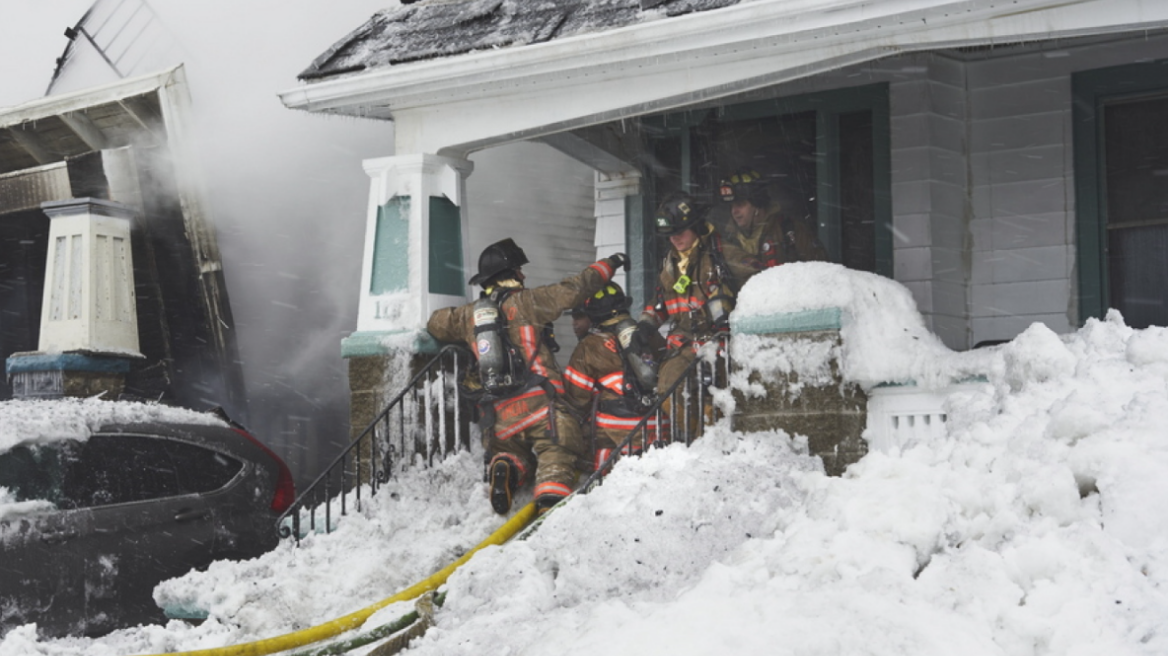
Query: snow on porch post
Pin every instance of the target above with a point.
(414, 263)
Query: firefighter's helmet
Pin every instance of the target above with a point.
(745, 185)
(678, 214)
(607, 303)
(499, 257)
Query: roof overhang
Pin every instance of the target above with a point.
(465, 102)
(53, 128)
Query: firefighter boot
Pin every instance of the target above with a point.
(503, 483)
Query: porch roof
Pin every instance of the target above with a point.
(444, 28)
(470, 96)
(51, 129)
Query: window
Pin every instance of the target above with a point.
(109, 469)
(826, 155)
(1121, 183)
(31, 473)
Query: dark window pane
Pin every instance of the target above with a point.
(857, 197)
(120, 469)
(32, 473)
(1136, 170)
(1136, 159)
(1138, 271)
(201, 470)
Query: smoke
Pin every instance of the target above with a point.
(287, 196)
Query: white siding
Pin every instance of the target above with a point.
(982, 180)
(929, 192)
(929, 178)
(1022, 185)
(542, 199)
(612, 191)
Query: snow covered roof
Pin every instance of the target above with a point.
(451, 76)
(440, 28)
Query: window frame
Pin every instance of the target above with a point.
(1090, 91)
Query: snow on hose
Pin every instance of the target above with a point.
(353, 620)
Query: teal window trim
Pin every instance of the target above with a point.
(391, 270)
(637, 245)
(1089, 91)
(828, 106)
(446, 271)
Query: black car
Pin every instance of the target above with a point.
(92, 525)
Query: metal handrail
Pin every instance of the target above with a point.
(370, 459)
(680, 394)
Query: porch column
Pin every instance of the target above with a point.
(414, 257)
(414, 263)
(89, 321)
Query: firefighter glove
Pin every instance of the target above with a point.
(619, 261)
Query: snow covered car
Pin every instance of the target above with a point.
(100, 501)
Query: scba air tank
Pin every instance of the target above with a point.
(638, 359)
(491, 347)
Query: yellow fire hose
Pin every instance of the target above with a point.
(353, 620)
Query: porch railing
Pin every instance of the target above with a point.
(681, 412)
(424, 421)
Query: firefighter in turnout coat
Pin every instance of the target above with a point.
(694, 297)
(529, 431)
(759, 236)
(612, 376)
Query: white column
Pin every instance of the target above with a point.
(89, 302)
(417, 207)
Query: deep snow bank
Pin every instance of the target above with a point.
(1033, 526)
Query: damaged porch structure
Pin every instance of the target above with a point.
(116, 151)
(1003, 159)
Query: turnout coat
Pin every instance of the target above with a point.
(533, 427)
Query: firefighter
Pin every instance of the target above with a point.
(611, 377)
(694, 297)
(759, 235)
(529, 431)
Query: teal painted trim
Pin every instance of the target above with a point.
(21, 363)
(789, 322)
(447, 274)
(371, 343)
(637, 248)
(827, 183)
(391, 266)
(1089, 91)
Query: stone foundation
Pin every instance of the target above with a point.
(56, 375)
(832, 415)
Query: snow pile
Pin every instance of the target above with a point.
(373, 554)
(9, 505)
(33, 421)
(884, 338)
(1033, 526)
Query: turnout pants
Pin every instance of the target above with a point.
(542, 441)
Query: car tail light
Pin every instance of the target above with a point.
(285, 492)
